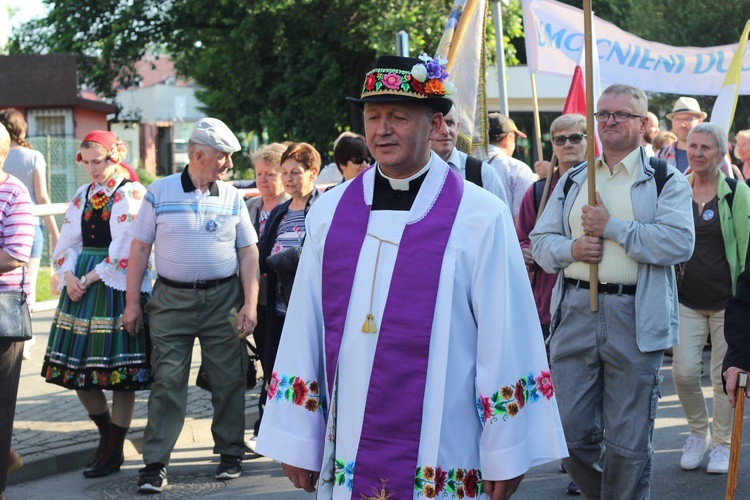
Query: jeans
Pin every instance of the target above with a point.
(607, 393)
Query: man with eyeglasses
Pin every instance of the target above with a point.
(685, 115)
(606, 364)
(469, 168)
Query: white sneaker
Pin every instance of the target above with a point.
(693, 451)
(719, 460)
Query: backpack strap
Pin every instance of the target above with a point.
(660, 173)
(474, 170)
(732, 187)
(538, 192)
(566, 186)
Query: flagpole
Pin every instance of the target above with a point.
(537, 125)
(590, 132)
(497, 16)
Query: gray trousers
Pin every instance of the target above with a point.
(607, 392)
(176, 318)
(10, 371)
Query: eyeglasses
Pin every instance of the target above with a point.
(560, 140)
(619, 116)
(357, 159)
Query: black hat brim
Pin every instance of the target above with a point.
(440, 104)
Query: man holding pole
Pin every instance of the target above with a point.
(606, 363)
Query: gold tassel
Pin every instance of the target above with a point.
(369, 325)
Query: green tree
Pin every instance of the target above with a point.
(108, 36)
(282, 67)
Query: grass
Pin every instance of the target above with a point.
(42, 285)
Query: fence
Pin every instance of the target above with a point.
(64, 175)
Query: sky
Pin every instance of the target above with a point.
(25, 10)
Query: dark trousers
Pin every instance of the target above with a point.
(10, 371)
(260, 335)
(268, 358)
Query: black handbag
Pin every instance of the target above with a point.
(15, 318)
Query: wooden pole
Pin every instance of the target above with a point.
(590, 124)
(547, 183)
(734, 453)
(537, 126)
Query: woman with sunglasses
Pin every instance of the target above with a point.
(568, 135)
(351, 157)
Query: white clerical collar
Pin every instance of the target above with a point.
(403, 184)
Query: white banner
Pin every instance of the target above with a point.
(554, 40)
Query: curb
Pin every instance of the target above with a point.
(67, 458)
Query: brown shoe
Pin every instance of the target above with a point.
(15, 462)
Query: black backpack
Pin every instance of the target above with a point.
(474, 170)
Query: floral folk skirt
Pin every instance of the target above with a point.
(88, 347)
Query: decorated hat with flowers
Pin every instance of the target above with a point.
(408, 79)
(116, 149)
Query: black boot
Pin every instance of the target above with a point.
(103, 422)
(111, 460)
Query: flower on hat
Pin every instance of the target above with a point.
(433, 73)
(419, 72)
(118, 151)
(392, 80)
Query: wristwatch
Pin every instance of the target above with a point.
(83, 281)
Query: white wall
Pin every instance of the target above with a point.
(160, 103)
(131, 136)
(551, 90)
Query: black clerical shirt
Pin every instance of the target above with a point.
(387, 198)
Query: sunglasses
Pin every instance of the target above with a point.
(357, 159)
(560, 140)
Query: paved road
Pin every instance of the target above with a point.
(54, 435)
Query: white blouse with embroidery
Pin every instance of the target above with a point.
(126, 202)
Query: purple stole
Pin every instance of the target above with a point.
(389, 442)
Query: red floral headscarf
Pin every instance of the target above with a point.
(116, 149)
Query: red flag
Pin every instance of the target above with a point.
(576, 100)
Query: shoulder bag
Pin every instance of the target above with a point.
(15, 319)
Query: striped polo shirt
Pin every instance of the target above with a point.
(195, 235)
(16, 230)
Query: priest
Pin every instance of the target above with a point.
(411, 363)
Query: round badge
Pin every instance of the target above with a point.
(708, 214)
(211, 226)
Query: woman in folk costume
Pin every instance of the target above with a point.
(88, 349)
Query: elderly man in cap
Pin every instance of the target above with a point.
(517, 177)
(411, 363)
(685, 115)
(202, 237)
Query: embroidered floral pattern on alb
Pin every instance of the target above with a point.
(293, 389)
(436, 482)
(343, 473)
(509, 400)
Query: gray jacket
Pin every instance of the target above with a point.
(661, 236)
